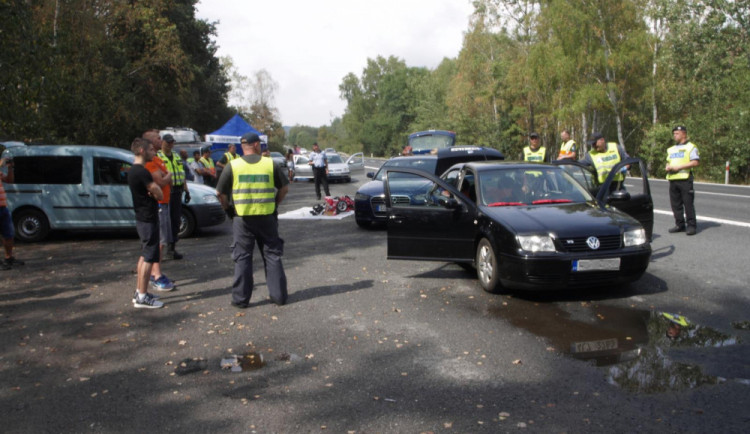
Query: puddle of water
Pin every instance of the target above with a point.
(636, 342)
(243, 362)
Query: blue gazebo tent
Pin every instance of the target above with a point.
(231, 132)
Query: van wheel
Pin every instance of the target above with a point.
(487, 270)
(187, 224)
(31, 225)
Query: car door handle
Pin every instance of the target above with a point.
(84, 195)
(102, 195)
(396, 218)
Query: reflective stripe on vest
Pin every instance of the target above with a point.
(174, 166)
(229, 156)
(253, 191)
(605, 161)
(678, 155)
(535, 156)
(566, 150)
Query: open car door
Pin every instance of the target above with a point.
(356, 162)
(428, 219)
(638, 204)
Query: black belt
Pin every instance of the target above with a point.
(177, 187)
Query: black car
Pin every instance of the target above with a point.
(521, 225)
(369, 201)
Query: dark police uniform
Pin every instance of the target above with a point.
(250, 182)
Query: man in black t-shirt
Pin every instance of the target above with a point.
(146, 194)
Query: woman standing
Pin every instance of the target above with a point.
(290, 164)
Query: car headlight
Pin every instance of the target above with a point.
(361, 196)
(536, 243)
(210, 198)
(634, 237)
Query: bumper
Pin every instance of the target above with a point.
(556, 273)
(207, 214)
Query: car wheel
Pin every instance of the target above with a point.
(487, 270)
(364, 224)
(187, 224)
(31, 225)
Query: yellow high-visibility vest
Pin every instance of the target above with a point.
(605, 161)
(253, 190)
(534, 156)
(566, 150)
(679, 154)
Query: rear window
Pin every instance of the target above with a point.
(47, 170)
(425, 164)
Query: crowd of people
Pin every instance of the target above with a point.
(603, 156)
(249, 187)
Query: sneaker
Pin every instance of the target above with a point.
(162, 284)
(690, 230)
(12, 261)
(676, 229)
(153, 279)
(241, 305)
(135, 296)
(148, 302)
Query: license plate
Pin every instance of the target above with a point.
(379, 208)
(593, 346)
(596, 264)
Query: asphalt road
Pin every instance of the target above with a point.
(370, 345)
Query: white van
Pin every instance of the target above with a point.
(85, 187)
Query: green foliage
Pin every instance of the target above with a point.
(103, 72)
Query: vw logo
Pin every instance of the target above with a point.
(593, 243)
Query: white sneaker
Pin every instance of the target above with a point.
(148, 302)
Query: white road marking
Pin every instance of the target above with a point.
(708, 219)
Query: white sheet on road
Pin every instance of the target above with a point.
(304, 214)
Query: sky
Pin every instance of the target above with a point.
(308, 46)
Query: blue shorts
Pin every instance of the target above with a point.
(149, 234)
(6, 224)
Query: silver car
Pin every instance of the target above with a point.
(338, 169)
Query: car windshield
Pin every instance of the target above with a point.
(426, 164)
(334, 159)
(527, 186)
(435, 141)
(276, 155)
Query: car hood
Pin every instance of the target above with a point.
(372, 188)
(200, 189)
(564, 220)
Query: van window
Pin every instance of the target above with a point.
(48, 170)
(108, 171)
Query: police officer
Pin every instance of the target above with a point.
(228, 156)
(319, 162)
(604, 156)
(534, 152)
(568, 147)
(251, 182)
(681, 158)
(179, 186)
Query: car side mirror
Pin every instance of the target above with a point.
(370, 175)
(618, 196)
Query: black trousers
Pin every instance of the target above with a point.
(265, 231)
(319, 173)
(175, 210)
(682, 198)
